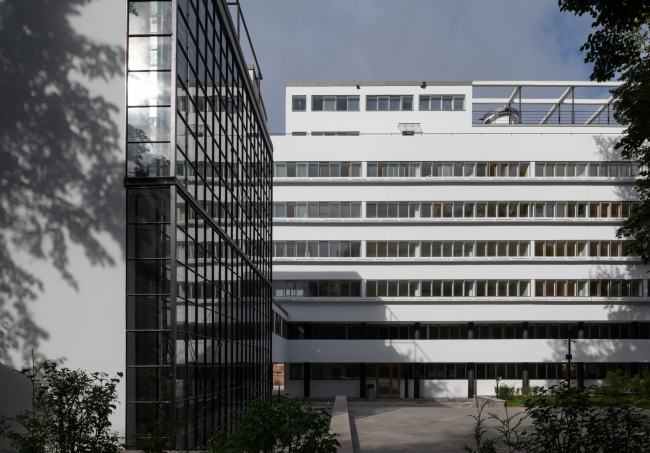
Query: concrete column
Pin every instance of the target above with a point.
(416, 380)
(525, 334)
(525, 382)
(417, 331)
(580, 373)
(471, 375)
(470, 331)
(406, 384)
(362, 380)
(307, 378)
(581, 330)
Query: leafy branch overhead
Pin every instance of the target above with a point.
(619, 47)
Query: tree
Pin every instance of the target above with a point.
(620, 47)
(277, 425)
(69, 412)
(61, 168)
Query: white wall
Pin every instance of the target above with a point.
(443, 388)
(468, 310)
(279, 351)
(441, 351)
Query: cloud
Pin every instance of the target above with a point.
(342, 40)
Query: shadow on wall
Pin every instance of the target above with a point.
(617, 310)
(60, 159)
(607, 152)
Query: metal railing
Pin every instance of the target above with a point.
(537, 116)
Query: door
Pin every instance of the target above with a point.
(388, 380)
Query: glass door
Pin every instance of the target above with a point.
(388, 380)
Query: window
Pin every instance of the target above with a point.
(385, 103)
(438, 209)
(586, 169)
(313, 249)
(417, 288)
(317, 288)
(334, 103)
(455, 102)
(334, 371)
(447, 169)
(339, 210)
(299, 103)
(502, 288)
(317, 169)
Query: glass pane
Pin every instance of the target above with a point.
(149, 124)
(149, 88)
(150, 18)
(150, 52)
(148, 159)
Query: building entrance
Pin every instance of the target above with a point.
(388, 380)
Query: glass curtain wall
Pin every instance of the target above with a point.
(198, 175)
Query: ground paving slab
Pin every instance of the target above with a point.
(415, 426)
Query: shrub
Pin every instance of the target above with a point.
(616, 385)
(70, 412)
(640, 386)
(507, 392)
(563, 420)
(277, 425)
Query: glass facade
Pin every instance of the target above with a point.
(199, 204)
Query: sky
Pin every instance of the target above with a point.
(314, 40)
(411, 40)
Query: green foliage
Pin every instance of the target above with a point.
(617, 384)
(277, 425)
(564, 420)
(507, 392)
(640, 388)
(483, 444)
(620, 45)
(70, 412)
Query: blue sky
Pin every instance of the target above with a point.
(342, 40)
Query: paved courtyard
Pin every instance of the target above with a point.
(409, 426)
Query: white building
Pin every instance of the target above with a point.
(428, 239)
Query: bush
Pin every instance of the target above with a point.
(506, 392)
(640, 386)
(277, 425)
(616, 385)
(563, 420)
(69, 412)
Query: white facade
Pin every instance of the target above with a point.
(574, 216)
